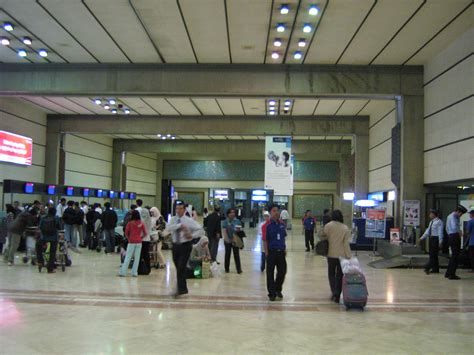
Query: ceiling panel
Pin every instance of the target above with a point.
(430, 19)
(377, 109)
(137, 105)
(160, 105)
(231, 106)
(304, 107)
(248, 26)
(206, 23)
(128, 33)
(385, 20)
(43, 102)
(90, 105)
(207, 106)
(254, 106)
(76, 18)
(327, 107)
(165, 25)
(68, 104)
(340, 22)
(351, 107)
(184, 106)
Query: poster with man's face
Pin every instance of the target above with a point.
(278, 165)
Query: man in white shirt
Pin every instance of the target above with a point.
(453, 227)
(435, 233)
(285, 216)
(183, 230)
(60, 208)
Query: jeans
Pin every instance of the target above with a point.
(213, 247)
(309, 238)
(13, 243)
(181, 254)
(335, 276)
(276, 258)
(69, 234)
(133, 249)
(79, 230)
(52, 253)
(109, 236)
(454, 241)
(433, 264)
(229, 248)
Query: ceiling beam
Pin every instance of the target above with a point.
(211, 80)
(201, 125)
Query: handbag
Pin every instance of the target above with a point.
(238, 242)
(206, 269)
(322, 247)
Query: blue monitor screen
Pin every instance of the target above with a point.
(111, 194)
(85, 192)
(122, 195)
(376, 196)
(29, 188)
(69, 191)
(132, 196)
(99, 193)
(51, 189)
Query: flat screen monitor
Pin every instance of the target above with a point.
(132, 196)
(51, 189)
(122, 195)
(69, 191)
(112, 194)
(29, 188)
(221, 194)
(86, 192)
(376, 196)
(259, 198)
(99, 193)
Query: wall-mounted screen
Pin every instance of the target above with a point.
(15, 149)
(221, 194)
(86, 192)
(259, 195)
(122, 195)
(99, 193)
(51, 189)
(112, 194)
(29, 188)
(377, 196)
(69, 191)
(132, 196)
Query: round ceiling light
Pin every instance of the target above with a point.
(22, 53)
(5, 41)
(27, 41)
(284, 9)
(8, 26)
(97, 101)
(112, 101)
(280, 27)
(297, 55)
(106, 107)
(313, 10)
(43, 53)
(307, 28)
(302, 43)
(275, 55)
(277, 42)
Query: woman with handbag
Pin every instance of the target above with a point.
(199, 254)
(229, 227)
(338, 235)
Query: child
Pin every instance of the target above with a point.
(134, 232)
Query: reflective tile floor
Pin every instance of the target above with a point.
(89, 310)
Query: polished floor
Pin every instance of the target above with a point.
(89, 310)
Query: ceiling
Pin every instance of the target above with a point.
(362, 32)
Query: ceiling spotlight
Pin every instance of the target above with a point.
(22, 53)
(272, 102)
(113, 110)
(97, 101)
(7, 26)
(5, 41)
(126, 111)
(112, 101)
(106, 107)
(302, 42)
(168, 135)
(159, 135)
(313, 10)
(173, 137)
(287, 102)
(297, 55)
(43, 53)
(163, 137)
(284, 9)
(272, 113)
(27, 41)
(307, 28)
(275, 55)
(277, 42)
(280, 27)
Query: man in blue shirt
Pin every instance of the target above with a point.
(434, 233)
(470, 235)
(309, 224)
(275, 248)
(453, 228)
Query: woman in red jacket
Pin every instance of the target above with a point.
(134, 232)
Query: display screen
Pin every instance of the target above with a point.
(132, 196)
(15, 149)
(69, 191)
(122, 195)
(376, 196)
(112, 194)
(85, 192)
(221, 194)
(259, 195)
(51, 189)
(259, 198)
(99, 193)
(29, 188)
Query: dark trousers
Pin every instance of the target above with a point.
(263, 261)
(229, 248)
(275, 258)
(309, 238)
(213, 247)
(52, 253)
(433, 264)
(145, 255)
(471, 256)
(454, 241)
(335, 276)
(181, 254)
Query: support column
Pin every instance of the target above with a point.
(361, 183)
(118, 171)
(346, 184)
(159, 177)
(52, 161)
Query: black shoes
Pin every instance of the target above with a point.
(272, 298)
(427, 272)
(307, 249)
(454, 277)
(279, 295)
(239, 272)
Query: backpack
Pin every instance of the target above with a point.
(48, 226)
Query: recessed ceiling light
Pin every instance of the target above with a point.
(112, 101)
(173, 137)
(307, 28)
(284, 9)
(113, 110)
(5, 41)
(126, 111)
(287, 102)
(159, 135)
(97, 101)
(272, 113)
(277, 42)
(297, 55)
(313, 10)
(27, 41)
(163, 137)
(22, 53)
(302, 42)
(275, 55)
(168, 135)
(7, 26)
(272, 102)
(106, 107)
(43, 53)
(280, 27)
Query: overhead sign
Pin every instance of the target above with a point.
(375, 223)
(15, 148)
(411, 213)
(278, 165)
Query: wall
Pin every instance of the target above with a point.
(19, 117)
(141, 176)
(449, 108)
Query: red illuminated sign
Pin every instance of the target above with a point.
(15, 148)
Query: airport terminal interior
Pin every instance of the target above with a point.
(143, 142)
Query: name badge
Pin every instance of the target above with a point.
(278, 236)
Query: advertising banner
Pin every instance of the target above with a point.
(395, 235)
(15, 148)
(411, 213)
(375, 223)
(278, 165)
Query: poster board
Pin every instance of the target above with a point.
(411, 213)
(278, 165)
(395, 236)
(375, 223)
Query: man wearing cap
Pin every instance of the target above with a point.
(470, 235)
(454, 241)
(435, 234)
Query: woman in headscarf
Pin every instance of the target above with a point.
(158, 226)
(199, 254)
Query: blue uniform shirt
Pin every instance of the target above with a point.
(276, 234)
(308, 223)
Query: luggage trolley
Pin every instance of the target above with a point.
(31, 235)
(62, 253)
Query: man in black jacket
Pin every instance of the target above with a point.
(109, 222)
(214, 231)
(79, 221)
(69, 219)
(16, 229)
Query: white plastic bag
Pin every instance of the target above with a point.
(215, 272)
(350, 266)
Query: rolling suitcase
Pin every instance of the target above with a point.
(354, 289)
